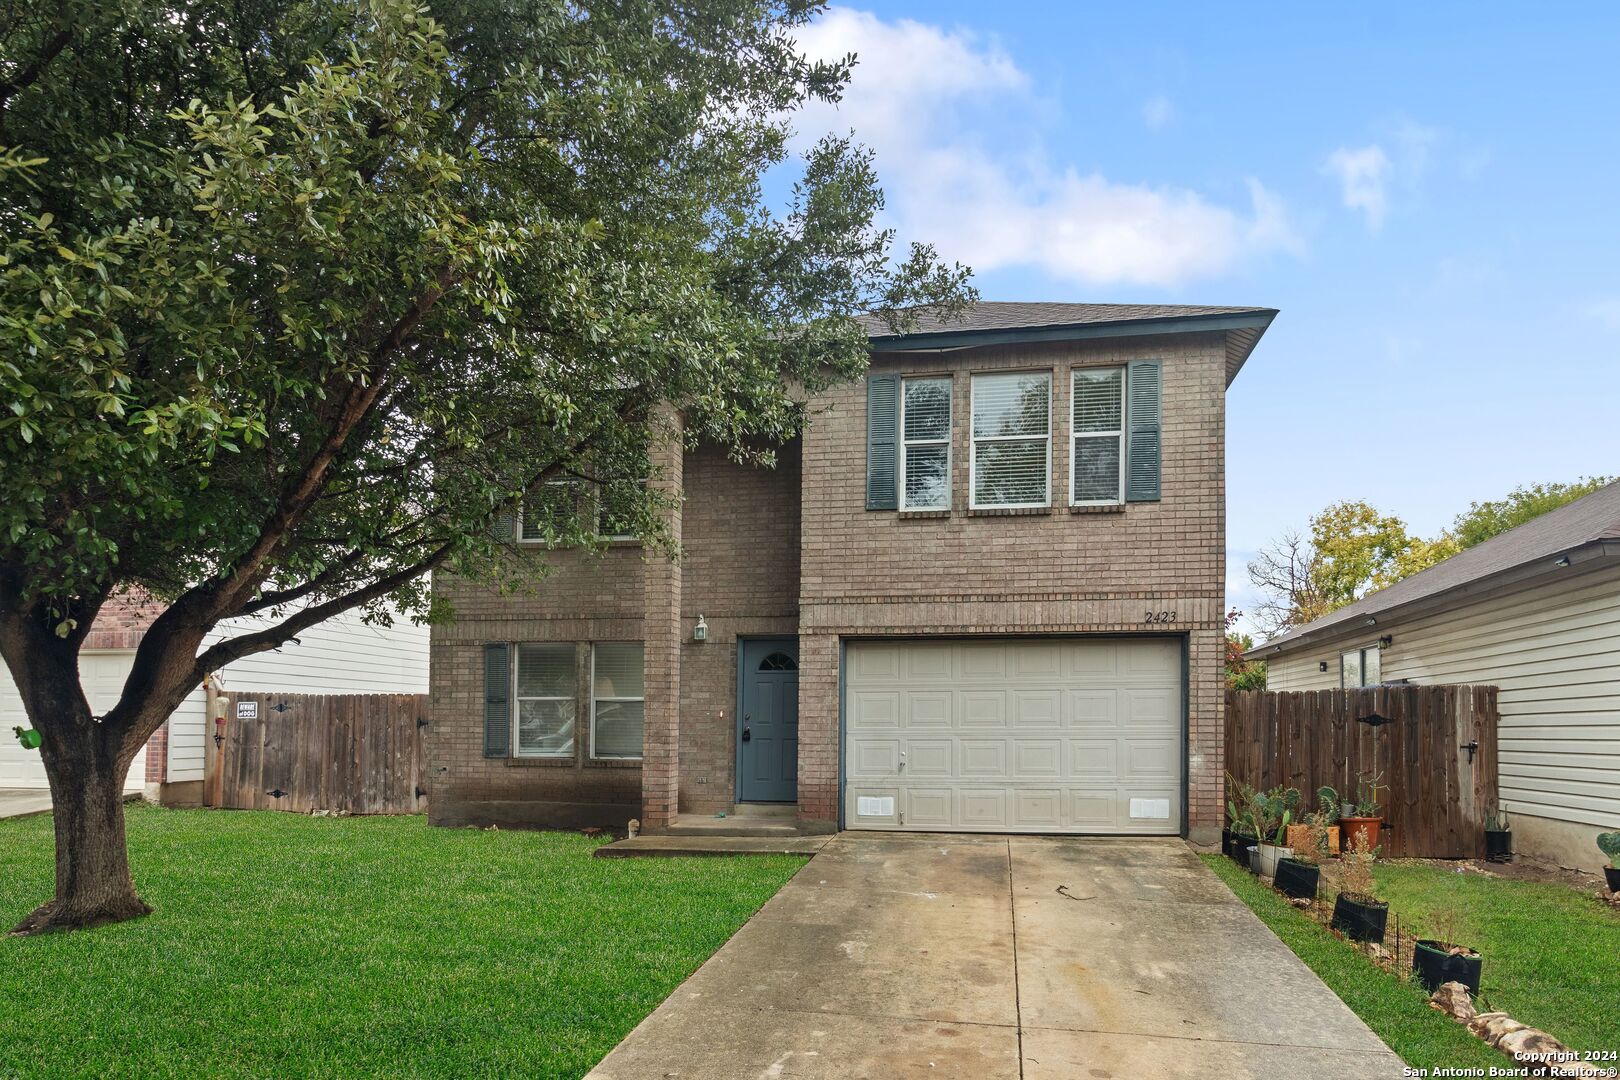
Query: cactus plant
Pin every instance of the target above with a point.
(1609, 844)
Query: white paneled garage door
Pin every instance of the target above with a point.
(1063, 735)
(103, 676)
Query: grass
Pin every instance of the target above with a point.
(290, 946)
(1549, 958)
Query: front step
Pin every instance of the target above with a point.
(747, 821)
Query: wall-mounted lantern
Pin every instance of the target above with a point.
(700, 632)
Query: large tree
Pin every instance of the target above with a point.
(298, 297)
(1483, 520)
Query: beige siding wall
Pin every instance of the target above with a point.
(1554, 650)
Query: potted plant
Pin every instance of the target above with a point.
(1239, 834)
(1498, 837)
(1609, 844)
(1305, 834)
(1271, 812)
(1357, 913)
(1364, 826)
(1299, 874)
(1438, 960)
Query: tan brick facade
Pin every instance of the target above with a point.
(794, 551)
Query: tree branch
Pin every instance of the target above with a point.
(30, 74)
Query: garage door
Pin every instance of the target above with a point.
(103, 676)
(1062, 735)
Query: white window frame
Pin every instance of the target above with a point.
(1075, 436)
(1361, 654)
(564, 481)
(950, 424)
(643, 699)
(517, 702)
(974, 439)
(599, 502)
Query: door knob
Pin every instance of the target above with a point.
(746, 733)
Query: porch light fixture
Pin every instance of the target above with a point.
(700, 632)
(1372, 621)
(1321, 665)
(1386, 641)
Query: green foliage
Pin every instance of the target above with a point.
(1495, 820)
(1367, 789)
(295, 295)
(286, 945)
(1241, 674)
(1328, 804)
(1609, 844)
(1239, 806)
(1484, 520)
(1272, 812)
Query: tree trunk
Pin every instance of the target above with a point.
(86, 766)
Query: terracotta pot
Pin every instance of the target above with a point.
(1299, 838)
(1361, 832)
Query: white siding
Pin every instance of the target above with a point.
(1553, 649)
(102, 675)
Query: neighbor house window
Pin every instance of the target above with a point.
(1361, 667)
(618, 703)
(1012, 439)
(925, 444)
(547, 687)
(1097, 426)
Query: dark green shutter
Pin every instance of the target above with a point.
(1144, 411)
(497, 699)
(882, 421)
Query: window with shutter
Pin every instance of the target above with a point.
(618, 702)
(1144, 423)
(1012, 440)
(882, 416)
(546, 686)
(1097, 428)
(925, 444)
(497, 699)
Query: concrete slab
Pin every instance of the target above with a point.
(18, 802)
(901, 956)
(674, 846)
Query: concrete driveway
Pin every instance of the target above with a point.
(993, 957)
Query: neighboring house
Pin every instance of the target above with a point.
(1534, 611)
(342, 655)
(982, 592)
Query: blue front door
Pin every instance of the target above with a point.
(768, 720)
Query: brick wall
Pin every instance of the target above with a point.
(872, 573)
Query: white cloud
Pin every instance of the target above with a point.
(1158, 111)
(1364, 175)
(962, 145)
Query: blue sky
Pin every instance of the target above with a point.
(1428, 193)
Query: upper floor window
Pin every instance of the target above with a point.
(925, 444)
(549, 509)
(1012, 440)
(1361, 667)
(1097, 425)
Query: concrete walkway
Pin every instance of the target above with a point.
(21, 802)
(993, 958)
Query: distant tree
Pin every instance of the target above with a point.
(1484, 520)
(1241, 674)
(1352, 550)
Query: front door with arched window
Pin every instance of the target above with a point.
(768, 720)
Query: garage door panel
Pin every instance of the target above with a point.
(1027, 735)
(1093, 709)
(928, 709)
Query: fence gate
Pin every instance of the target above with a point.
(1434, 745)
(300, 752)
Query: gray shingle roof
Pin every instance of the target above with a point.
(1014, 315)
(1588, 520)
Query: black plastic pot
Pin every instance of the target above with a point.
(1226, 842)
(1499, 845)
(1359, 920)
(1612, 875)
(1297, 879)
(1434, 964)
(1240, 849)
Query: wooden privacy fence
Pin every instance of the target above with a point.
(359, 753)
(1436, 751)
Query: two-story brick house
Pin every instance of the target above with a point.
(982, 592)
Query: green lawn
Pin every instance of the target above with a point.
(1549, 958)
(289, 946)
